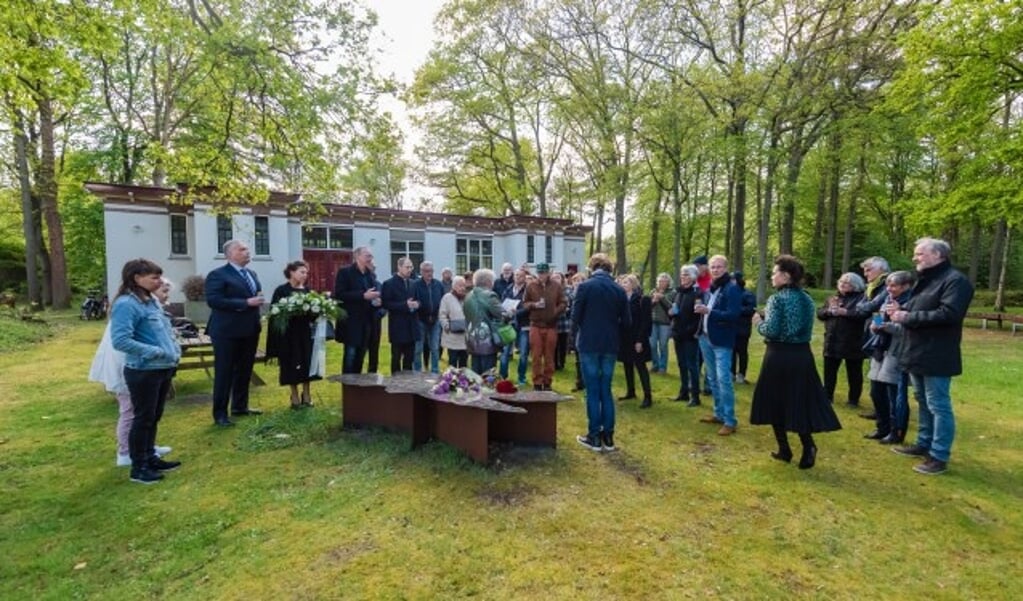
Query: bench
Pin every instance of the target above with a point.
(1015, 320)
(197, 353)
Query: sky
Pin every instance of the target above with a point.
(405, 35)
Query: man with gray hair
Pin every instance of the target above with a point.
(932, 332)
(234, 295)
(357, 288)
(428, 291)
(506, 279)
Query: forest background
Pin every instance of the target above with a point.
(831, 129)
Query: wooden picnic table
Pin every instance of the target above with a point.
(197, 353)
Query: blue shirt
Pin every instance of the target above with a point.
(142, 331)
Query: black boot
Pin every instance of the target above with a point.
(809, 457)
(647, 403)
(683, 394)
(784, 452)
(628, 396)
(894, 437)
(695, 402)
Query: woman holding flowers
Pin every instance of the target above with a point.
(290, 335)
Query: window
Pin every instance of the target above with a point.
(314, 237)
(341, 238)
(321, 236)
(473, 253)
(405, 248)
(262, 242)
(548, 248)
(179, 235)
(224, 231)
(530, 249)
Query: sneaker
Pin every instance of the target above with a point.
(123, 460)
(590, 442)
(911, 451)
(712, 419)
(931, 467)
(740, 379)
(161, 451)
(146, 476)
(160, 465)
(607, 441)
(726, 431)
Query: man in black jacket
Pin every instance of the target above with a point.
(428, 291)
(932, 322)
(359, 292)
(399, 298)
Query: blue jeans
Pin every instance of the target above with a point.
(429, 339)
(598, 370)
(900, 404)
(937, 422)
(522, 342)
(718, 361)
(659, 338)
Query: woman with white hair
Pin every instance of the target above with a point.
(452, 323)
(684, 325)
(843, 337)
(484, 314)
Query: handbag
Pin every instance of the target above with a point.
(506, 333)
(456, 326)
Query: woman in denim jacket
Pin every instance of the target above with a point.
(142, 331)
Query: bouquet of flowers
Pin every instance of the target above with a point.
(311, 305)
(462, 381)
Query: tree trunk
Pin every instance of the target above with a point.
(764, 218)
(861, 176)
(676, 223)
(46, 186)
(1000, 293)
(29, 219)
(655, 231)
(997, 250)
(739, 221)
(831, 224)
(974, 252)
(817, 243)
(788, 202)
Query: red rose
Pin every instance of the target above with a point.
(506, 387)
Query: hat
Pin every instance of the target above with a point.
(739, 275)
(542, 267)
(700, 260)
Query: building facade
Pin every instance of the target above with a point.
(186, 238)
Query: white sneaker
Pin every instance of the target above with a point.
(123, 460)
(161, 451)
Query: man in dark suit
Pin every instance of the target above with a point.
(359, 292)
(398, 296)
(234, 296)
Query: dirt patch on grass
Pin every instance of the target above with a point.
(628, 466)
(505, 496)
(345, 553)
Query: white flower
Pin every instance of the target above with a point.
(305, 307)
(274, 310)
(316, 309)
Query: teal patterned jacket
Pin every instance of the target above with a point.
(788, 317)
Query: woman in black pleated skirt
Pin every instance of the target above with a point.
(789, 395)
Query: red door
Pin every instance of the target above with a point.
(323, 266)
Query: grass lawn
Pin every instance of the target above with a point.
(288, 505)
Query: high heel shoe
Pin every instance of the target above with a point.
(809, 458)
(783, 455)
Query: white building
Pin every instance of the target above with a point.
(186, 239)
